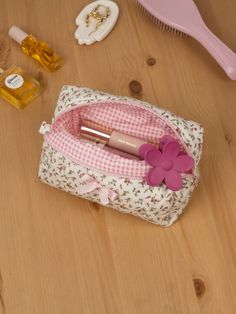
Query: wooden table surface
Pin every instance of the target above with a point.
(61, 254)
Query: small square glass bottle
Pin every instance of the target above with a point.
(17, 87)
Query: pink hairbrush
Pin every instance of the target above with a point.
(183, 16)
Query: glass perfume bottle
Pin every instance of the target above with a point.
(36, 49)
(17, 87)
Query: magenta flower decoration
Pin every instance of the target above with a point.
(167, 163)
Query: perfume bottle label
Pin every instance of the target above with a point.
(14, 81)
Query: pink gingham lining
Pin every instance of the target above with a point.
(132, 120)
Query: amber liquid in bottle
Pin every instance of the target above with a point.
(40, 51)
(17, 87)
(36, 49)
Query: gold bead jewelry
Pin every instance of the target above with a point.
(100, 17)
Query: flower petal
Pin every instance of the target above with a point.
(165, 140)
(143, 149)
(155, 176)
(183, 163)
(171, 149)
(173, 180)
(153, 157)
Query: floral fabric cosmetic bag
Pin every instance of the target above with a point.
(155, 186)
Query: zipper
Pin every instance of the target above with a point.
(168, 123)
(129, 104)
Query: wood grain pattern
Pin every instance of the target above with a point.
(60, 254)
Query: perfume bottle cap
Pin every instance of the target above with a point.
(17, 34)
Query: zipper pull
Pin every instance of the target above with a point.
(44, 128)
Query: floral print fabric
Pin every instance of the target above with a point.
(155, 204)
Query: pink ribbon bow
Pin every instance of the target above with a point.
(89, 184)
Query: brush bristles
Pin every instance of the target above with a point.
(160, 24)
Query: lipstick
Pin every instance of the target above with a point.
(101, 134)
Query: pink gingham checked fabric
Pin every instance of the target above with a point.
(91, 171)
(126, 118)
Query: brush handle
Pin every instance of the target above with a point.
(220, 52)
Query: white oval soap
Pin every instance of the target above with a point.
(95, 21)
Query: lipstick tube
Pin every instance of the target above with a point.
(101, 134)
